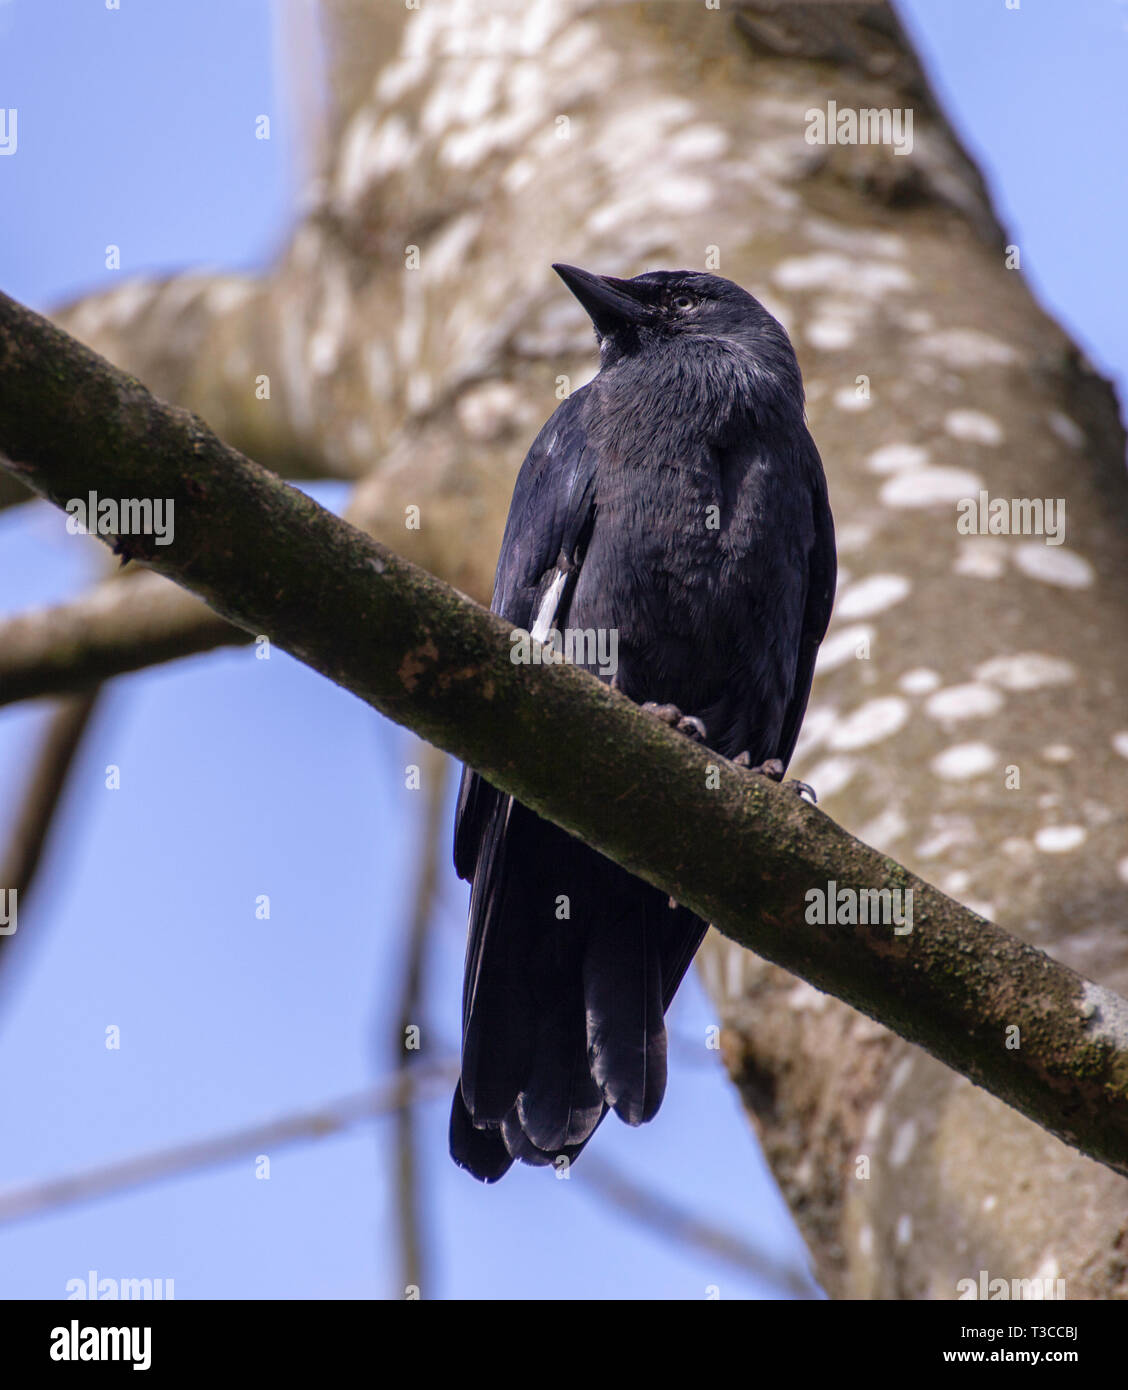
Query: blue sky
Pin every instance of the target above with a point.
(241, 777)
(1037, 95)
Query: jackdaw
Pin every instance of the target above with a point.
(678, 502)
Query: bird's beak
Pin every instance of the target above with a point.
(610, 303)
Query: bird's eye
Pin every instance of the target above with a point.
(683, 302)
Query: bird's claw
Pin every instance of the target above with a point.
(687, 724)
(773, 768)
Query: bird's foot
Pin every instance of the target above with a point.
(773, 768)
(770, 767)
(687, 724)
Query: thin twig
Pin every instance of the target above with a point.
(664, 1218)
(19, 1203)
(62, 737)
(427, 1080)
(413, 1243)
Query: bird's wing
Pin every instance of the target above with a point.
(822, 573)
(550, 520)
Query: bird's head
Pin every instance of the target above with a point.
(678, 305)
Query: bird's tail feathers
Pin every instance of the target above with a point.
(623, 1004)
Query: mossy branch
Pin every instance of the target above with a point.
(739, 850)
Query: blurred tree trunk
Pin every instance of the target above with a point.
(969, 715)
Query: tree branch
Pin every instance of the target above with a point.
(429, 1081)
(113, 629)
(665, 1218)
(12, 491)
(409, 1212)
(738, 850)
(384, 1098)
(62, 737)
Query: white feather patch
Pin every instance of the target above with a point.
(547, 611)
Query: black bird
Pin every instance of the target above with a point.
(679, 501)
